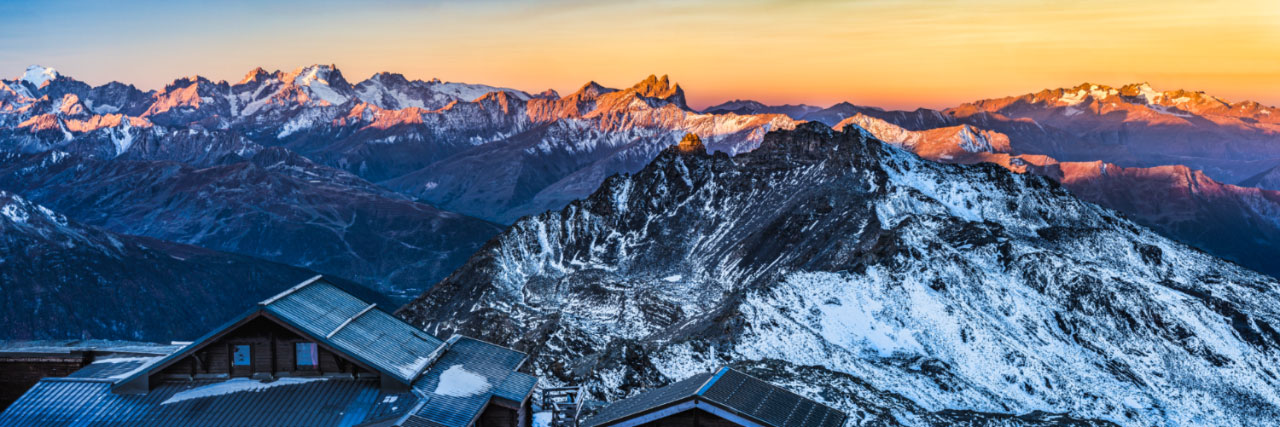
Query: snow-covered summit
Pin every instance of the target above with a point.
(324, 82)
(38, 75)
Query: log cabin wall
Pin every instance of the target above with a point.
(18, 372)
(496, 415)
(272, 351)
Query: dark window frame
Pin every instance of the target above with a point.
(232, 367)
(298, 366)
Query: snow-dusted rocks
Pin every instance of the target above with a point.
(1238, 223)
(901, 290)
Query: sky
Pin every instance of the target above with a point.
(889, 53)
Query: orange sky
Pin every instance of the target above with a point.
(890, 53)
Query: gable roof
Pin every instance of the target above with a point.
(732, 391)
(337, 320)
(491, 371)
(356, 328)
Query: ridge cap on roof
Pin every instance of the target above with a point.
(771, 384)
(293, 289)
(712, 381)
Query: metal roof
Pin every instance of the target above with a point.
(733, 391)
(89, 402)
(328, 315)
(113, 368)
(339, 320)
(766, 402)
(97, 347)
(355, 327)
(471, 357)
(652, 399)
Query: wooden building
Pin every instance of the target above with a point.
(725, 398)
(24, 363)
(311, 355)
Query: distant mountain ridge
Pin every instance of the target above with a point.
(60, 279)
(1132, 125)
(1237, 223)
(180, 171)
(747, 107)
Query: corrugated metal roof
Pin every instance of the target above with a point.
(113, 368)
(766, 402)
(382, 338)
(317, 308)
(734, 391)
(470, 357)
(330, 316)
(516, 386)
(333, 401)
(369, 335)
(652, 399)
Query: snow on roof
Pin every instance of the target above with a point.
(236, 385)
(457, 381)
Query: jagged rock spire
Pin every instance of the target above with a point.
(691, 144)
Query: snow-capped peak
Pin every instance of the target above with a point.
(1147, 92)
(39, 75)
(324, 81)
(313, 74)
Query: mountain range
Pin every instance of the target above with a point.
(394, 182)
(901, 290)
(1049, 258)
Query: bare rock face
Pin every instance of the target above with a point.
(691, 144)
(901, 290)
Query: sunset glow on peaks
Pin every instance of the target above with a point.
(895, 54)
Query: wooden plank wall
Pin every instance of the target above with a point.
(264, 335)
(18, 372)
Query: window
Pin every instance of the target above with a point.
(242, 355)
(308, 356)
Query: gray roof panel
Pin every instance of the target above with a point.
(317, 308)
(114, 368)
(516, 386)
(732, 390)
(335, 317)
(769, 403)
(333, 401)
(648, 400)
(470, 358)
(388, 341)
